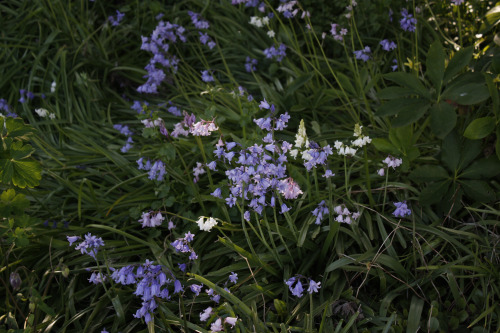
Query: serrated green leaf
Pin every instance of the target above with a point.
(458, 62)
(478, 190)
(467, 94)
(18, 150)
(482, 169)
(409, 81)
(26, 173)
(480, 128)
(409, 115)
(443, 119)
(428, 173)
(16, 128)
(435, 64)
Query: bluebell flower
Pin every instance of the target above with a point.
(298, 289)
(407, 22)
(320, 212)
(196, 288)
(206, 76)
(388, 45)
(402, 209)
(251, 64)
(363, 54)
(313, 286)
(116, 21)
(233, 277)
(178, 287)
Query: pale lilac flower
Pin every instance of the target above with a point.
(233, 277)
(363, 54)
(388, 45)
(381, 172)
(231, 321)
(402, 209)
(206, 314)
(407, 22)
(217, 325)
(457, 2)
(289, 188)
(206, 76)
(313, 286)
(328, 174)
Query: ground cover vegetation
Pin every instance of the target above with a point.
(249, 166)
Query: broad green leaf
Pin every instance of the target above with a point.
(494, 94)
(394, 92)
(491, 19)
(385, 146)
(482, 169)
(443, 119)
(408, 116)
(435, 64)
(396, 106)
(409, 81)
(19, 151)
(26, 173)
(469, 150)
(478, 190)
(434, 192)
(480, 128)
(450, 151)
(16, 128)
(467, 94)
(458, 62)
(346, 84)
(428, 173)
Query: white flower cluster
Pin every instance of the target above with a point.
(301, 142)
(148, 123)
(259, 22)
(206, 225)
(44, 113)
(151, 220)
(344, 215)
(361, 141)
(203, 128)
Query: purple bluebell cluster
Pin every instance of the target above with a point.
(198, 21)
(156, 170)
(182, 245)
(251, 64)
(90, 245)
(25, 94)
(320, 212)
(206, 76)
(402, 209)
(256, 173)
(251, 3)
(139, 106)
(97, 278)
(151, 282)
(276, 53)
(158, 45)
(344, 215)
(124, 129)
(388, 45)
(205, 39)
(4, 106)
(116, 21)
(457, 2)
(407, 22)
(363, 54)
(297, 288)
(338, 35)
(151, 219)
(287, 8)
(317, 155)
(395, 66)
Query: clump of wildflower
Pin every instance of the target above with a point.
(197, 171)
(287, 8)
(363, 54)
(206, 223)
(402, 209)
(116, 21)
(407, 22)
(198, 21)
(151, 283)
(158, 45)
(205, 39)
(250, 64)
(320, 212)
(203, 128)
(89, 246)
(362, 139)
(276, 53)
(259, 22)
(343, 149)
(388, 45)
(289, 188)
(151, 220)
(41, 112)
(124, 129)
(156, 170)
(206, 76)
(183, 245)
(344, 215)
(296, 287)
(338, 35)
(97, 278)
